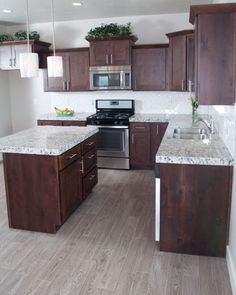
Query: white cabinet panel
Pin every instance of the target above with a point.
(6, 57)
(10, 56)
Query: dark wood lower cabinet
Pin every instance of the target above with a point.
(71, 189)
(43, 191)
(60, 123)
(195, 209)
(145, 139)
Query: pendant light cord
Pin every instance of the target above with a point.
(53, 28)
(27, 24)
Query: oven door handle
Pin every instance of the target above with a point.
(109, 127)
(122, 76)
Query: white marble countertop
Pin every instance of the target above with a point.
(75, 117)
(45, 140)
(186, 151)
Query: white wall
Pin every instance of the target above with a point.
(148, 28)
(5, 111)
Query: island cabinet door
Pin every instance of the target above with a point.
(70, 189)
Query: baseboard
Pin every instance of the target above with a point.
(232, 270)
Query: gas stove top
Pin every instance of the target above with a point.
(112, 113)
(106, 118)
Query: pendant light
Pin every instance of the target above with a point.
(29, 61)
(55, 63)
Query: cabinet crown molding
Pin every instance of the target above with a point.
(195, 10)
(180, 33)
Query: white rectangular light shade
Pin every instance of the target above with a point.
(55, 66)
(29, 65)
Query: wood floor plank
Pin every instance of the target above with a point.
(106, 247)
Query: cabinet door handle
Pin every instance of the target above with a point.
(107, 59)
(157, 129)
(10, 62)
(182, 84)
(111, 58)
(14, 58)
(90, 143)
(72, 156)
(92, 156)
(139, 127)
(67, 85)
(190, 86)
(92, 177)
(132, 139)
(135, 84)
(64, 85)
(82, 166)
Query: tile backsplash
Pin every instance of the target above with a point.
(154, 102)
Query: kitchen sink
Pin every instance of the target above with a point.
(190, 133)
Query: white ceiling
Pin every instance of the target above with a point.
(64, 11)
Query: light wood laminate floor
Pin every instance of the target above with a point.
(106, 247)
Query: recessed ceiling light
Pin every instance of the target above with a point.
(76, 4)
(7, 10)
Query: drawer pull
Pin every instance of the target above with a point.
(72, 156)
(90, 143)
(82, 166)
(92, 156)
(91, 177)
(139, 127)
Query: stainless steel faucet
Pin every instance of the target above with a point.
(210, 125)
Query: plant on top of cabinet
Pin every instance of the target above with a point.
(109, 30)
(181, 60)
(215, 40)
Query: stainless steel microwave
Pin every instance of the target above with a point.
(110, 78)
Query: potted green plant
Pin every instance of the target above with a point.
(110, 30)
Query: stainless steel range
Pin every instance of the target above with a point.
(112, 118)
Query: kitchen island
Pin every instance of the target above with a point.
(48, 172)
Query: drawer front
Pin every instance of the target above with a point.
(89, 182)
(74, 123)
(69, 156)
(89, 161)
(49, 123)
(89, 144)
(140, 127)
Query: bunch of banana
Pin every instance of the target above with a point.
(65, 111)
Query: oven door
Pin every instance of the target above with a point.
(113, 141)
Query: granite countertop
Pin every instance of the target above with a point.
(75, 117)
(180, 151)
(45, 140)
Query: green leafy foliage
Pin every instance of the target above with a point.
(6, 37)
(20, 35)
(110, 30)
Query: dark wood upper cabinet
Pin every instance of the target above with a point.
(76, 72)
(149, 67)
(180, 49)
(215, 53)
(113, 51)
